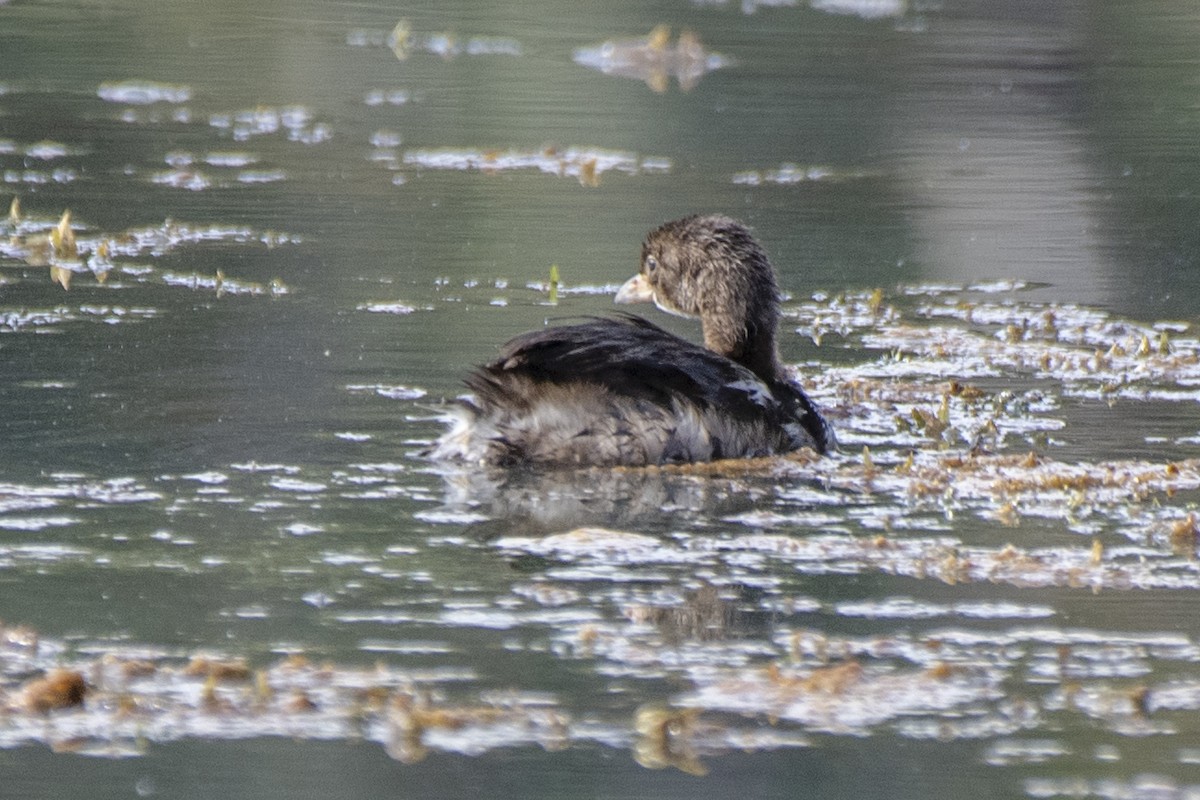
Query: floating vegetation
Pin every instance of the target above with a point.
(1124, 498)
(654, 59)
(156, 115)
(584, 164)
(191, 180)
(496, 293)
(1084, 351)
(751, 6)
(121, 703)
(70, 251)
(404, 42)
(390, 97)
(971, 537)
(846, 698)
(253, 176)
(34, 177)
(296, 123)
(389, 391)
(552, 292)
(385, 139)
(233, 158)
(223, 285)
(564, 290)
(945, 683)
(790, 174)
(142, 93)
(867, 9)
(60, 688)
(195, 180)
(395, 307)
(45, 150)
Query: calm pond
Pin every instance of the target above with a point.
(254, 245)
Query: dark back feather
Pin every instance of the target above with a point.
(629, 356)
(649, 371)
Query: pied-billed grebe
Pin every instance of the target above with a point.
(623, 391)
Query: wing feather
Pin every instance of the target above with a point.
(629, 357)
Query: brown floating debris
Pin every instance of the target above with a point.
(868, 465)
(133, 668)
(664, 739)
(70, 253)
(100, 263)
(1139, 696)
(300, 702)
(654, 59)
(587, 173)
(843, 698)
(413, 714)
(881, 681)
(62, 239)
(404, 42)
(61, 276)
(60, 688)
(400, 39)
(826, 680)
(875, 301)
(585, 164)
(216, 670)
(1184, 533)
(1008, 515)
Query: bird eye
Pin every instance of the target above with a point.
(651, 264)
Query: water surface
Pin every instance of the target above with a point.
(297, 225)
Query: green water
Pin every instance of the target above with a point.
(234, 469)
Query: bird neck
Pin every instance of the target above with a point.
(751, 344)
(763, 361)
